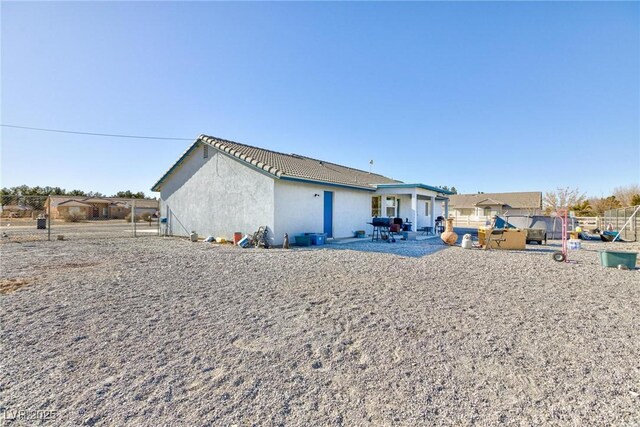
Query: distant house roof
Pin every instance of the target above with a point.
(74, 203)
(140, 203)
(111, 201)
(490, 202)
(15, 208)
(520, 200)
(286, 166)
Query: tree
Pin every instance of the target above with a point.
(452, 189)
(583, 209)
(635, 201)
(76, 193)
(130, 195)
(602, 204)
(7, 197)
(626, 194)
(562, 198)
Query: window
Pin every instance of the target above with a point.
(391, 206)
(205, 151)
(375, 206)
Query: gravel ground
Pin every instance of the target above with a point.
(167, 332)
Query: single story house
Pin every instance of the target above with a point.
(98, 207)
(218, 187)
(483, 206)
(15, 211)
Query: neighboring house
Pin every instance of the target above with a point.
(98, 207)
(72, 207)
(218, 187)
(143, 206)
(15, 211)
(481, 207)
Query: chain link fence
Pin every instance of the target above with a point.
(616, 219)
(35, 218)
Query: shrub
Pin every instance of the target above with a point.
(73, 217)
(128, 218)
(146, 216)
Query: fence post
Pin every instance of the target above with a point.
(49, 221)
(133, 216)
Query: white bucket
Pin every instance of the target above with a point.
(467, 243)
(574, 244)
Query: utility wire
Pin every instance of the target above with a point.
(97, 134)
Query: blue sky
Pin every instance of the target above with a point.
(486, 97)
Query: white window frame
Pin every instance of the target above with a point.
(393, 206)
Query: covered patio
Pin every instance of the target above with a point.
(413, 202)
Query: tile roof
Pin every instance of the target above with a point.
(284, 166)
(517, 200)
(73, 202)
(297, 166)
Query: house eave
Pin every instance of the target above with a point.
(325, 183)
(418, 185)
(157, 186)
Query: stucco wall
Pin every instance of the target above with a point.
(406, 211)
(216, 196)
(297, 211)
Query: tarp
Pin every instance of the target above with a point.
(553, 225)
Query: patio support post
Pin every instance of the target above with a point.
(414, 208)
(446, 208)
(432, 212)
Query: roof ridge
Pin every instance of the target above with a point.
(219, 143)
(244, 145)
(287, 154)
(343, 166)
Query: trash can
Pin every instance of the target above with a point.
(41, 223)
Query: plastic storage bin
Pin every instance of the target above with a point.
(318, 238)
(304, 240)
(615, 258)
(574, 244)
(244, 242)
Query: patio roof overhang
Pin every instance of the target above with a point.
(402, 188)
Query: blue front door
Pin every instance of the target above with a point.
(328, 213)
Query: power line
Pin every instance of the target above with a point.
(96, 134)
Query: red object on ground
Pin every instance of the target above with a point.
(236, 237)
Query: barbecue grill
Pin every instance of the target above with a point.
(381, 228)
(381, 222)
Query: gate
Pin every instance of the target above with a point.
(617, 218)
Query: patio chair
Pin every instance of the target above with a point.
(494, 235)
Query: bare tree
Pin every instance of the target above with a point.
(562, 198)
(626, 193)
